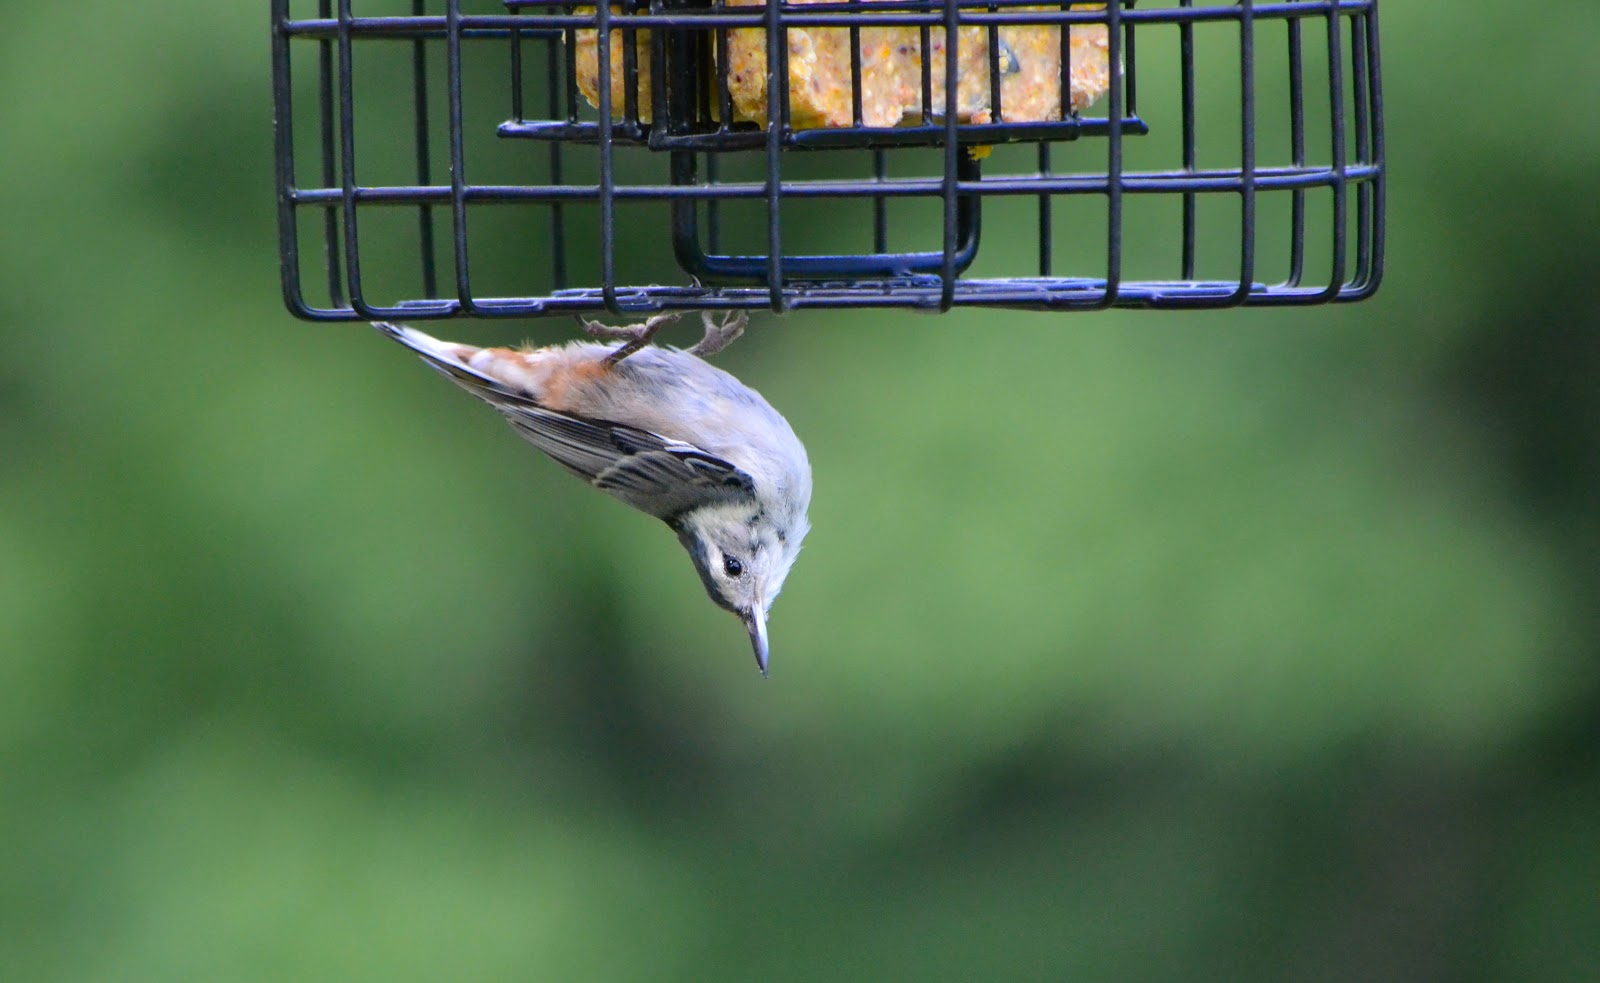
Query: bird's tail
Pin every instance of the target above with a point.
(450, 360)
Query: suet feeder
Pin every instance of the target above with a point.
(439, 160)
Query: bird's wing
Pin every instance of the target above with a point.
(664, 478)
(656, 475)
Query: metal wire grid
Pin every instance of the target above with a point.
(695, 135)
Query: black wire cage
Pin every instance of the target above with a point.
(434, 161)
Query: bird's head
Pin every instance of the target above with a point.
(743, 553)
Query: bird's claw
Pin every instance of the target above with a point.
(632, 336)
(719, 334)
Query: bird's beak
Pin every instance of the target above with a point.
(755, 621)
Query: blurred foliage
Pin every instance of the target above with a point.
(1249, 645)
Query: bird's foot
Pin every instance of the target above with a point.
(719, 334)
(632, 336)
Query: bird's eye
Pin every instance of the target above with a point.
(731, 566)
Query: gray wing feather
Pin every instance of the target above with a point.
(661, 477)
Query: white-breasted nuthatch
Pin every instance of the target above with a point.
(665, 432)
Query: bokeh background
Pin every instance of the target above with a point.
(1246, 646)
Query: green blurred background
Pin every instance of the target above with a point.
(1240, 646)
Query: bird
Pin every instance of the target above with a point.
(665, 432)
